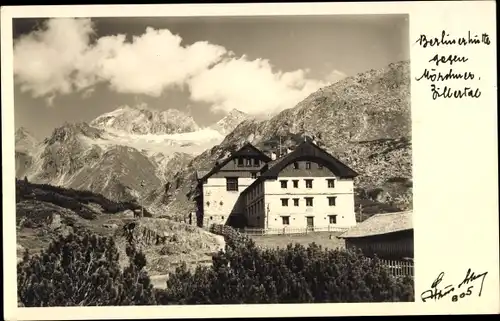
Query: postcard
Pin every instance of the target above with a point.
(230, 160)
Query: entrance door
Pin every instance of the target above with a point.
(310, 222)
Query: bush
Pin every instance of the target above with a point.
(83, 270)
(295, 274)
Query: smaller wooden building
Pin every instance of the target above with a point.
(389, 236)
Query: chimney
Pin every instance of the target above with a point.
(273, 155)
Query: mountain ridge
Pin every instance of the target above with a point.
(364, 120)
(80, 155)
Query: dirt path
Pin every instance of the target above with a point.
(160, 281)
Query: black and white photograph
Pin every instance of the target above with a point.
(257, 160)
(213, 160)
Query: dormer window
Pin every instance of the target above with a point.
(308, 165)
(248, 162)
(240, 162)
(295, 165)
(256, 162)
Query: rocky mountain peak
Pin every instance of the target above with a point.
(24, 140)
(229, 122)
(71, 131)
(142, 121)
(364, 120)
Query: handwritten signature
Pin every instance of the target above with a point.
(436, 293)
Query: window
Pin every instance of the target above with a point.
(309, 183)
(284, 202)
(223, 218)
(254, 175)
(331, 183)
(331, 200)
(333, 219)
(283, 184)
(258, 218)
(231, 183)
(295, 184)
(309, 201)
(285, 220)
(308, 165)
(256, 162)
(295, 165)
(240, 162)
(295, 202)
(249, 162)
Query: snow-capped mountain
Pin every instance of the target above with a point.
(230, 121)
(118, 150)
(143, 121)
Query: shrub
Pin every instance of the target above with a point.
(295, 274)
(72, 199)
(82, 269)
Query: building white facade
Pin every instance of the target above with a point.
(219, 203)
(306, 188)
(317, 206)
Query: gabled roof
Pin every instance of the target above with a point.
(246, 150)
(380, 224)
(305, 151)
(309, 151)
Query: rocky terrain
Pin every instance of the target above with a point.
(44, 211)
(363, 120)
(140, 120)
(230, 122)
(117, 151)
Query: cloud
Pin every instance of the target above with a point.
(251, 86)
(152, 62)
(60, 59)
(45, 61)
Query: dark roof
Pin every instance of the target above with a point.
(246, 150)
(305, 151)
(309, 151)
(381, 224)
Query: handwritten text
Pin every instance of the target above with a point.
(455, 292)
(433, 74)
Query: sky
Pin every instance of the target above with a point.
(73, 70)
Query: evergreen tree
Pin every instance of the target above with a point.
(82, 270)
(244, 273)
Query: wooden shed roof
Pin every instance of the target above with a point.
(381, 224)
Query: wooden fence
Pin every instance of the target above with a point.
(288, 230)
(399, 268)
